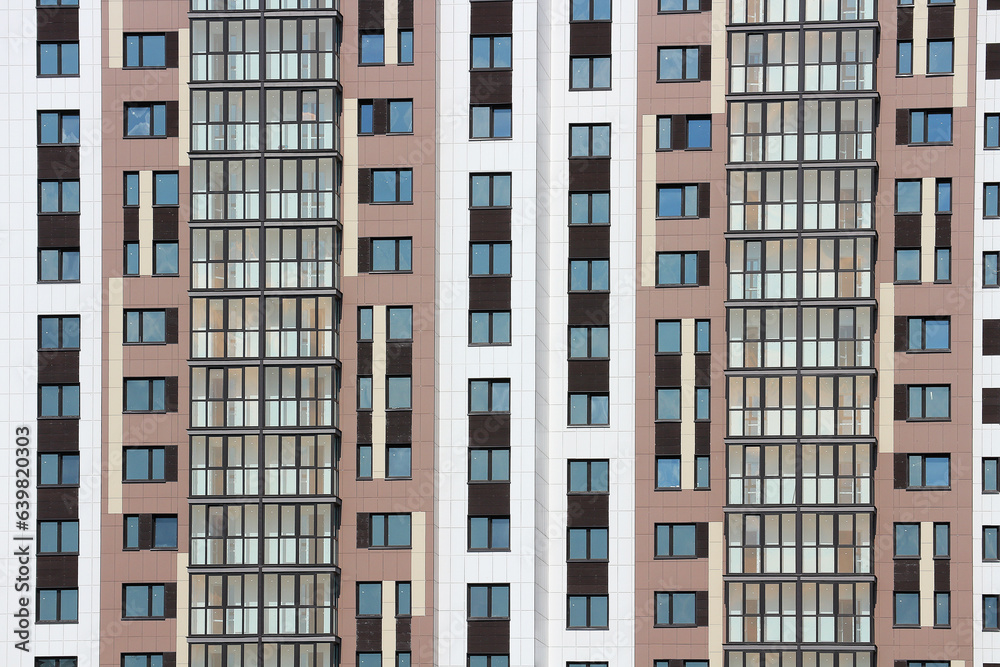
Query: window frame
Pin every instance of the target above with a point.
(670, 595)
(151, 391)
(141, 37)
(402, 254)
(922, 416)
(495, 183)
(995, 600)
(151, 451)
(493, 52)
(398, 178)
(61, 469)
(491, 326)
(60, 47)
(906, 525)
(408, 406)
(64, 190)
(922, 321)
(951, 58)
(686, 10)
(589, 195)
(489, 601)
(491, 258)
(656, 473)
(61, 525)
(496, 538)
(61, 334)
(995, 461)
(492, 123)
(896, 266)
(60, 594)
(141, 325)
(596, 481)
(684, 256)
(900, 44)
(991, 280)
(991, 126)
(590, 6)
(909, 595)
(590, 398)
(589, 533)
(404, 45)
(389, 118)
(385, 516)
(61, 119)
(151, 590)
(590, 621)
(592, 62)
(362, 34)
(924, 125)
(491, 463)
(490, 384)
(593, 266)
(592, 145)
(684, 53)
(669, 530)
(588, 331)
(60, 400)
(154, 130)
(684, 191)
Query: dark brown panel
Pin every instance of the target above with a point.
(704, 268)
(58, 23)
(403, 631)
(364, 530)
(364, 428)
(171, 45)
(586, 510)
(703, 438)
(399, 358)
(490, 87)
(364, 358)
(165, 223)
(489, 499)
(899, 470)
(991, 335)
(942, 231)
(678, 132)
(492, 18)
(169, 660)
(902, 127)
(587, 375)
(494, 227)
(170, 393)
(364, 186)
(587, 578)
(58, 435)
(485, 637)
(991, 405)
(900, 663)
(899, 402)
(489, 293)
(701, 608)
(667, 439)
(173, 118)
(59, 231)
(589, 309)
(589, 241)
(942, 575)
(145, 531)
(993, 61)
(130, 217)
(906, 575)
(371, 14)
(701, 540)
(58, 503)
(170, 325)
(589, 174)
(405, 14)
(907, 231)
(668, 370)
(58, 162)
(702, 370)
(170, 599)
(993, 4)
(59, 366)
(58, 571)
(904, 23)
(365, 254)
(489, 430)
(170, 464)
(901, 333)
(705, 63)
(370, 634)
(380, 116)
(398, 426)
(590, 38)
(940, 22)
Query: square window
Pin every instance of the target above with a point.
(398, 393)
(492, 52)
(585, 544)
(57, 605)
(145, 119)
(164, 532)
(489, 190)
(58, 59)
(372, 48)
(58, 332)
(676, 540)
(908, 265)
(589, 477)
(928, 471)
(400, 116)
(678, 63)
(398, 461)
(489, 396)
(145, 395)
(59, 127)
(940, 56)
(392, 255)
(668, 337)
(491, 121)
(908, 197)
(587, 611)
(489, 465)
(590, 73)
(931, 402)
(370, 599)
(699, 132)
(929, 333)
(165, 192)
(590, 208)
(400, 323)
(58, 196)
(591, 10)
(907, 540)
(143, 601)
(145, 51)
(58, 537)
(59, 400)
(392, 186)
(589, 410)
(489, 328)
(589, 275)
(489, 533)
(490, 259)
(145, 326)
(906, 609)
(675, 609)
(589, 342)
(668, 472)
(930, 126)
(590, 140)
(677, 201)
(144, 464)
(675, 269)
(668, 404)
(58, 469)
(165, 262)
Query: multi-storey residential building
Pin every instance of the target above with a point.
(492, 333)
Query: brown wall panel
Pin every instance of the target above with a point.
(489, 637)
(58, 435)
(491, 87)
(589, 174)
(589, 375)
(58, 231)
(991, 337)
(941, 22)
(57, 571)
(398, 358)
(586, 578)
(492, 17)
(590, 38)
(491, 499)
(489, 293)
(589, 309)
(58, 23)
(58, 503)
(59, 366)
(59, 162)
(370, 634)
(489, 430)
(586, 510)
(398, 426)
(668, 370)
(589, 242)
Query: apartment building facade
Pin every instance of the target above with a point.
(496, 332)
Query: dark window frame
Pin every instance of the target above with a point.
(491, 319)
(141, 51)
(155, 132)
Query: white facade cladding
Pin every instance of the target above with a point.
(27, 298)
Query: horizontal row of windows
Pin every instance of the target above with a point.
(263, 604)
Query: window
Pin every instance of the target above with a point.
(392, 254)
(680, 5)
(143, 601)
(702, 336)
(677, 201)
(702, 479)
(701, 403)
(489, 396)
(991, 473)
(55, 662)
(942, 609)
(369, 660)
(590, 73)
(675, 608)
(932, 402)
(405, 47)
(590, 208)
(664, 133)
(942, 195)
(58, 59)
(145, 395)
(668, 404)
(591, 10)
(991, 620)
(58, 469)
(56, 537)
(992, 131)
(668, 337)
(59, 400)
(674, 269)
(908, 265)
(400, 116)
(58, 332)
(668, 472)
(942, 540)
(165, 532)
(589, 275)
(490, 533)
(492, 52)
(131, 527)
(144, 464)
(931, 126)
(906, 542)
(398, 461)
(365, 323)
(928, 471)
(590, 141)
(58, 196)
(587, 611)
(59, 127)
(370, 599)
(165, 258)
(991, 547)
(403, 597)
(588, 477)
(929, 333)
(942, 265)
(390, 530)
(145, 326)
(489, 601)
(145, 51)
(907, 609)
(939, 56)
(908, 196)
(491, 121)
(991, 200)
(165, 189)
(587, 544)
(391, 186)
(489, 190)
(366, 117)
(145, 119)
(489, 465)
(372, 48)
(131, 188)
(489, 259)
(489, 328)
(904, 58)
(398, 393)
(588, 410)
(489, 661)
(589, 343)
(57, 605)
(142, 660)
(699, 132)
(676, 540)
(678, 63)
(400, 321)
(364, 461)
(991, 267)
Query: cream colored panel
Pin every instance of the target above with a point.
(391, 31)
(349, 201)
(960, 84)
(647, 267)
(182, 610)
(183, 97)
(926, 574)
(687, 404)
(716, 595)
(928, 228)
(145, 223)
(116, 22)
(919, 37)
(418, 564)
(115, 352)
(378, 392)
(389, 620)
(719, 56)
(887, 365)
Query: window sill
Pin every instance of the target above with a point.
(381, 64)
(390, 203)
(679, 80)
(491, 69)
(917, 420)
(486, 550)
(928, 488)
(900, 75)
(590, 157)
(57, 486)
(583, 90)
(491, 208)
(595, 628)
(948, 349)
(679, 285)
(489, 344)
(144, 618)
(72, 622)
(908, 627)
(586, 21)
(490, 138)
(588, 426)
(677, 557)
(588, 358)
(667, 488)
(144, 481)
(400, 548)
(142, 343)
(939, 74)
(144, 67)
(679, 217)
(589, 224)
(146, 136)
(929, 143)
(58, 417)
